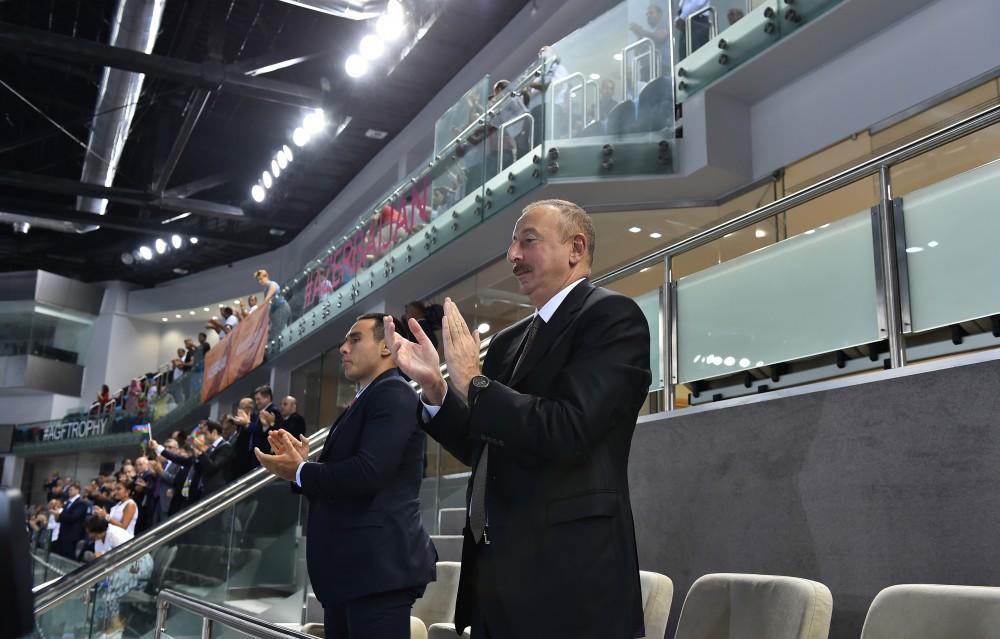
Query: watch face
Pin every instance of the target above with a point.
(480, 382)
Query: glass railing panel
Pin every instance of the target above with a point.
(609, 100)
(75, 617)
(812, 293)
(950, 237)
(460, 116)
(184, 624)
(30, 328)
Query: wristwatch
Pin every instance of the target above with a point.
(478, 384)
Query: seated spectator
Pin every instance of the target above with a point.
(110, 591)
(293, 422)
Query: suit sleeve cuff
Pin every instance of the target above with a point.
(298, 474)
(431, 411)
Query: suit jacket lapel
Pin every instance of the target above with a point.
(335, 429)
(513, 349)
(552, 329)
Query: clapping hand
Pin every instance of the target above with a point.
(281, 439)
(282, 464)
(242, 417)
(461, 348)
(266, 419)
(418, 360)
(99, 512)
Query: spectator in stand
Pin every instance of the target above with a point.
(104, 396)
(257, 429)
(144, 494)
(121, 581)
(124, 514)
(293, 422)
(228, 323)
(734, 15)
(215, 459)
(273, 299)
(203, 345)
(249, 307)
(185, 482)
(189, 354)
(608, 100)
(245, 413)
(52, 521)
(168, 484)
(701, 27)
(71, 519)
(658, 31)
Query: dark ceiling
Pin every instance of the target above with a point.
(48, 92)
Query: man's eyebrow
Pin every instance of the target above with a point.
(530, 229)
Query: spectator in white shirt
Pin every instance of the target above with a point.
(131, 577)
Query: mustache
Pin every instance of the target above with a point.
(520, 269)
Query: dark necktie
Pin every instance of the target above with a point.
(477, 503)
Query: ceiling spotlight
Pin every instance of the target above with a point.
(595, 76)
(355, 65)
(190, 312)
(760, 234)
(161, 246)
(372, 47)
(389, 26)
(128, 259)
(178, 316)
(656, 236)
(394, 8)
(164, 319)
(275, 169)
(266, 178)
(176, 241)
(145, 252)
(194, 240)
(634, 229)
(315, 121)
(300, 137)
(483, 329)
(215, 317)
(281, 159)
(258, 193)
(22, 227)
(288, 152)
(206, 309)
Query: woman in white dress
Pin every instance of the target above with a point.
(123, 514)
(135, 576)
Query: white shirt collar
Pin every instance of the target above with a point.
(217, 443)
(72, 499)
(550, 307)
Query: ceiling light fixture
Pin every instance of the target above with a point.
(656, 236)
(266, 179)
(164, 319)
(145, 252)
(760, 234)
(178, 316)
(281, 159)
(206, 309)
(288, 152)
(275, 169)
(355, 65)
(194, 240)
(300, 137)
(161, 246)
(176, 241)
(258, 193)
(372, 47)
(483, 329)
(635, 229)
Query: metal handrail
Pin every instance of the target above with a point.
(50, 594)
(713, 26)
(214, 613)
(654, 65)
(503, 129)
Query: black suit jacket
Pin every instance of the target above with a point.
(557, 498)
(188, 467)
(295, 424)
(71, 531)
(214, 467)
(365, 534)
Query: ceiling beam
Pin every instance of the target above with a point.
(195, 107)
(209, 76)
(128, 223)
(202, 184)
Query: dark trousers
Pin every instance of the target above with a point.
(385, 615)
(488, 621)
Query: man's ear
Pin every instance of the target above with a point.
(578, 249)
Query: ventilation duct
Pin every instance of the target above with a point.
(350, 9)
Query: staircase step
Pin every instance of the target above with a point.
(451, 521)
(449, 547)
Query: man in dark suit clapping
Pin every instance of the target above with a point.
(71, 519)
(546, 425)
(368, 555)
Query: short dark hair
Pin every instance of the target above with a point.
(264, 390)
(573, 220)
(214, 426)
(378, 330)
(201, 335)
(96, 524)
(227, 311)
(75, 485)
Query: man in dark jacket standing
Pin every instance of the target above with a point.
(71, 520)
(546, 425)
(369, 556)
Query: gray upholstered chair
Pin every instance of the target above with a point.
(657, 595)
(446, 631)
(738, 606)
(923, 611)
(417, 629)
(438, 603)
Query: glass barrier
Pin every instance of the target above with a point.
(30, 328)
(950, 231)
(453, 124)
(712, 38)
(249, 557)
(609, 99)
(791, 300)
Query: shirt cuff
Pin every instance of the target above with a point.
(159, 450)
(298, 474)
(430, 411)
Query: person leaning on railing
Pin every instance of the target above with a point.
(273, 299)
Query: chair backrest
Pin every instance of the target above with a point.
(621, 117)
(739, 606)
(163, 557)
(924, 611)
(657, 595)
(438, 603)
(417, 629)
